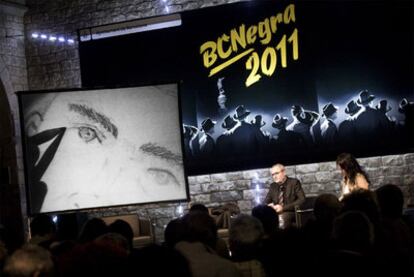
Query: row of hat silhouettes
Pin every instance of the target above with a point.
(304, 116)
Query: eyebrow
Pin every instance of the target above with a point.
(161, 152)
(95, 116)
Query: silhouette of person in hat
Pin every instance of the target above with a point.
(329, 131)
(205, 140)
(189, 132)
(285, 139)
(247, 137)
(264, 136)
(407, 109)
(368, 123)
(225, 141)
(346, 129)
(302, 123)
(389, 124)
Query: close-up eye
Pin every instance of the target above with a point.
(87, 134)
(163, 177)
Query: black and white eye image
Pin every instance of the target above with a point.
(96, 148)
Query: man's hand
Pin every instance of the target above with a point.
(278, 208)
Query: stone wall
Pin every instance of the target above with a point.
(13, 77)
(239, 187)
(53, 65)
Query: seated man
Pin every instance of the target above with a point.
(284, 195)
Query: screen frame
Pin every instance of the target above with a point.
(28, 185)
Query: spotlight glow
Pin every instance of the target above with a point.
(42, 36)
(35, 35)
(61, 39)
(52, 38)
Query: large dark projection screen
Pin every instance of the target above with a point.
(98, 148)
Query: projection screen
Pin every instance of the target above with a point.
(98, 148)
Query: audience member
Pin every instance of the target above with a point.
(198, 247)
(92, 229)
(245, 242)
(43, 230)
(29, 261)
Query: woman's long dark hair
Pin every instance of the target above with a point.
(351, 166)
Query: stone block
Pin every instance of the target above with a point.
(290, 171)
(373, 162)
(245, 206)
(251, 194)
(393, 160)
(195, 189)
(327, 166)
(242, 184)
(203, 179)
(201, 198)
(162, 212)
(227, 186)
(257, 173)
(307, 168)
(409, 158)
(323, 177)
(192, 180)
(307, 178)
(394, 170)
(209, 187)
(226, 196)
(220, 177)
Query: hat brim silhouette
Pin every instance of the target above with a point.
(279, 123)
(229, 126)
(242, 116)
(365, 101)
(309, 118)
(262, 123)
(353, 111)
(387, 109)
(190, 130)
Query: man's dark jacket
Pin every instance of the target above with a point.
(294, 194)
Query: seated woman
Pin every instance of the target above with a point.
(353, 176)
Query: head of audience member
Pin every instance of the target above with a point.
(3, 254)
(326, 207)
(364, 201)
(28, 261)
(278, 173)
(123, 228)
(42, 225)
(174, 232)
(198, 207)
(245, 238)
(155, 260)
(353, 231)
(200, 227)
(390, 200)
(92, 229)
(269, 219)
(101, 257)
(43, 230)
(116, 241)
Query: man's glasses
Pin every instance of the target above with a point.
(276, 173)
